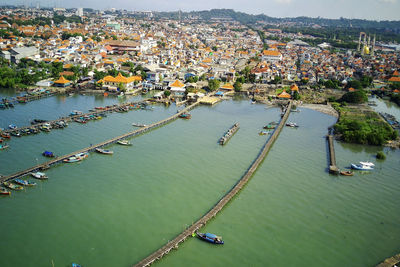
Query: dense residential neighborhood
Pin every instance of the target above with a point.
(118, 51)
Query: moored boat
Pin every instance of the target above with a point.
(269, 126)
(124, 142)
(48, 154)
(12, 126)
(39, 175)
(3, 146)
(138, 125)
(77, 157)
(13, 186)
(24, 182)
(6, 135)
(362, 167)
(346, 173)
(263, 133)
(104, 151)
(185, 116)
(4, 191)
(211, 238)
(292, 124)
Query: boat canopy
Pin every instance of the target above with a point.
(211, 235)
(48, 153)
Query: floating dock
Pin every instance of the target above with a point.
(222, 202)
(332, 157)
(60, 159)
(228, 135)
(209, 100)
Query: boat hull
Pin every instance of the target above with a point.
(361, 168)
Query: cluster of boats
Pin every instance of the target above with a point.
(18, 184)
(5, 103)
(37, 127)
(225, 138)
(391, 120)
(269, 127)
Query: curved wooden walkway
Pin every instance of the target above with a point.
(92, 148)
(218, 206)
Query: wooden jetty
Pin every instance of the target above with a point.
(228, 135)
(332, 157)
(93, 148)
(222, 202)
(389, 262)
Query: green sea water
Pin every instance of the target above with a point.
(115, 210)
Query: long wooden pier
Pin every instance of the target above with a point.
(332, 157)
(92, 148)
(222, 202)
(389, 262)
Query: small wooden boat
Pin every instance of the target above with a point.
(4, 191)
(104, 151)
(269, 126)
(77, 157)
(24, 182)
(48, 154)
(39, 175)
(185, 116)
(6, 135)
(292, 124)
(138, 125)
(13, 186)
(211, 238)
(1, 140)
(346, 173)
(3, 146)
(263, 133)
(16, 133)
(124, 142)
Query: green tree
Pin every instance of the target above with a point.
(356, 97)
(213, 84)
(238, 86)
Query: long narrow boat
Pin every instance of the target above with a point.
(347, 173)
(39, 175)
(211, 238)
(104, 151)
(13, 186)
(124, 142)
(6, 135)
(77, 157)
(4, 191)
(24, 182)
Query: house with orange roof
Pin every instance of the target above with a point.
(112, 83)
(177, 88)
(62, 82)
(271, 55)
(283, 95)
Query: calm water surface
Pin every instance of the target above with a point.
(115, 210)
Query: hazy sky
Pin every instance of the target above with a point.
(365, 9)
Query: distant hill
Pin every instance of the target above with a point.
(245, 18)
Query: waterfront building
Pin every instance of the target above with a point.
(62, 82)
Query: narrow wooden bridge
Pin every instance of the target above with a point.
(92, 148)
(222, 202)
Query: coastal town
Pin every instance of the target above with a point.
(179, 68)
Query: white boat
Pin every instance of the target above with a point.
(39, 175)
(139, 125)
(124, 142)
(362, 166)
(104, 151)
(76, 158)
(367, 163)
